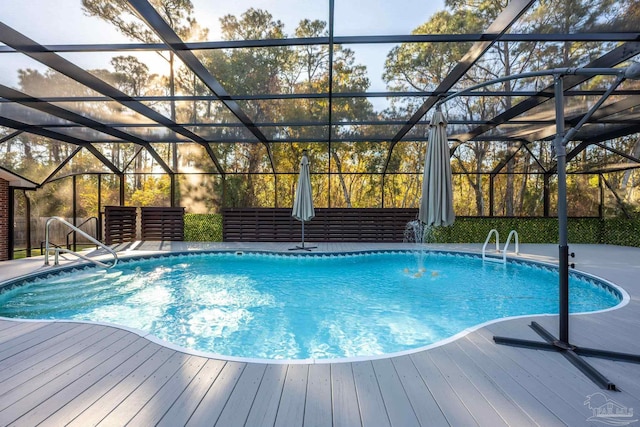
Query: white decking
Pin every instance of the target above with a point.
(63, 373)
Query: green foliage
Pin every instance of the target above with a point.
(615, 231)
(203, 228)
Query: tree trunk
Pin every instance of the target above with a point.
(635, 152)
(345, 191)
(509, 190)
(172, 92)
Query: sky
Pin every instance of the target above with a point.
(63, 22)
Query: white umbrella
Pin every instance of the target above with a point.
(303, 202)
(436, 207)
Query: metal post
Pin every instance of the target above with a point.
(74, 211)
(99, 225)
(27, 214)
(122, 184)
(492, 183)
(172, 178)
(563, 245)
(10, 219)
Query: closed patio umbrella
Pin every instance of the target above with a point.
(436, 206)
(303, 201)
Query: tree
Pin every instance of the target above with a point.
(177, 13)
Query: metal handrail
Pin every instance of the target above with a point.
(486, 242)
(57, 251)
(80, 225)
(512, 233)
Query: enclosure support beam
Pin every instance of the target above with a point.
(502, 23)
(99, 213)
(122, 185)
(74, 204)
(38, 52)
(492, 183)
(11, 207)
(616, 56)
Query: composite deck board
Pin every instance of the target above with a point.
(424, 405)
(237, 407)
(509, 384)
(46, 351)
(292, 401)
(47, 367)
(19, 343)
(343, 395)
(25, 396)
(626, 377)
(99, 409)
(156, 407)
(475, 402)
(59, 400)
(265, 406)
(95, 391)
(453, 409)
(395, 399)
(317, 410)
(58, 373)
(18, 329)
(535, 380)
(188, 400)
(141, 396)
(499, 400)
(213, 402)
(372, 409)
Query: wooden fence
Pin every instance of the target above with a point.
(329, 224)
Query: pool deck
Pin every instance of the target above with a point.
(69, 373)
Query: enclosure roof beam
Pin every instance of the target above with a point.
(38, 130)
(502, 23)
(597, 138)
(61, 165)
(609, 36)
(54, 110)
(618, 152)
(10, 136)
(17, 180)
(510, 154)
(36, 51)
(325, 95)
(605, 111)
(616, 56)
(153, 19)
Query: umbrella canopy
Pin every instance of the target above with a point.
(436, 207)
(303, 202)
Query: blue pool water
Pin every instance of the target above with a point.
(298, 307)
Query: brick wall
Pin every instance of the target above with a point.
(4, 220)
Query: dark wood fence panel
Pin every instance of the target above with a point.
(119, 224)
(333, 224)
(162, 223)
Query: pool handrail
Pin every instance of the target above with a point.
(57, 250)
(512, 233)
(486, 242)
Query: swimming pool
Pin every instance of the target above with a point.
(274, 306)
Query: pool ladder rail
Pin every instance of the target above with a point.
(48, 247)
(503, 260)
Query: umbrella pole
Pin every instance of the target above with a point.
(303, 247)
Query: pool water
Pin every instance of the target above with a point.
(300, 307)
